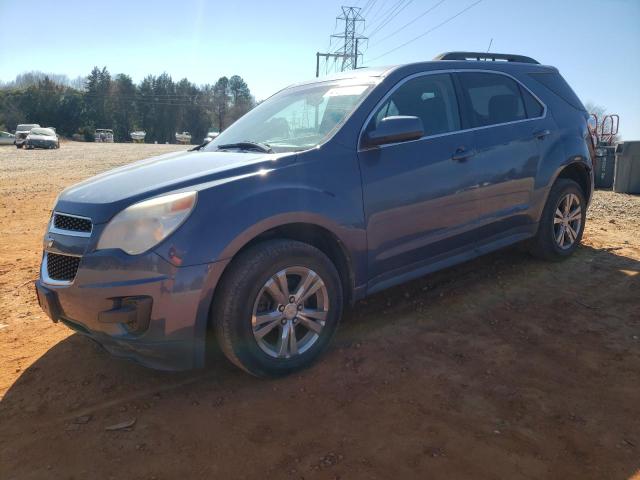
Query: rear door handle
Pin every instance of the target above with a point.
(462, 154)
(542, 133)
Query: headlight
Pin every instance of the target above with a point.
(143, 225)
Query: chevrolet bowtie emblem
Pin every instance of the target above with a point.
(49, 242)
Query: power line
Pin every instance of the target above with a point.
(410, 23)
(386, 15)
(377, 14)
(428, 31)
(366, 10)
(366, 5)
(393, 15)
(382, 15)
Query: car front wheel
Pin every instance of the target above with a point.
(277, 308)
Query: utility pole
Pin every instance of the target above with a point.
(348, 52)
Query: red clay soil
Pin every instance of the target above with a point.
(504, 367)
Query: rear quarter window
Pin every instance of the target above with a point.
(532, 106)
(558, 85)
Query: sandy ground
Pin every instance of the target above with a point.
(504, 367)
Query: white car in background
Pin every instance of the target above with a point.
(210, 136)
(7, 138)
(42, 138)
(103, 135)
(22, 131)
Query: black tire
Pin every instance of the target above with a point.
(237, 295)
(544, 245)
(18, 146)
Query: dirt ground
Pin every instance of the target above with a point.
(504, 367)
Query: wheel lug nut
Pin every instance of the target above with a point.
(281, 308)
(283, 321)
(292, 299)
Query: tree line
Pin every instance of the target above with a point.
(156, 105)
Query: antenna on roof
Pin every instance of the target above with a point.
(490, 42)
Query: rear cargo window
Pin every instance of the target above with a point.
(558, 85)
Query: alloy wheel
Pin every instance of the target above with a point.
(567, 221)
(290, 312)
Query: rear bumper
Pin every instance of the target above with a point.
(141, 308)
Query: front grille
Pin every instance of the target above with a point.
(67, 222)
(62, 267)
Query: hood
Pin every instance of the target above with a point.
(104, 195)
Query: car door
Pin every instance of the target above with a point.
(417, 200)
(507, 125)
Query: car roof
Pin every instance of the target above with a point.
(517, 62)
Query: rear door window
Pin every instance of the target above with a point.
(491, 98)
(431, 98)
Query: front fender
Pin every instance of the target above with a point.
(230, 215)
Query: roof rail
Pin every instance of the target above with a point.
(480, 56)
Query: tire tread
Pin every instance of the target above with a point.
(237, 278)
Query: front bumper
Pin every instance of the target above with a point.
(40, 144)
(138, 307)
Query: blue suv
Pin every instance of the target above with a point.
(324, 193)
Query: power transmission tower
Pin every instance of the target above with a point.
(349, 51)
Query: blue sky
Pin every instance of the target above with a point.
(594, 43)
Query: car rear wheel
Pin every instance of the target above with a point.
(277, 307)
(562, 222)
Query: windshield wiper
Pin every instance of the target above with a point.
(198, 147)
(248, 145)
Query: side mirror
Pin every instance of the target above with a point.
(394, 129)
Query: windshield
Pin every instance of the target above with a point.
(296, 119)
(25, 127)
(43, 131)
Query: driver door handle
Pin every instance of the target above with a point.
(462, 154)
(542, 133)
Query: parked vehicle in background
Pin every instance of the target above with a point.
(184, 137)
(22, 131)
(211, 136)
(7, 138)
(103, 135)
(138, 136)
(321, 195)
(42, 138)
